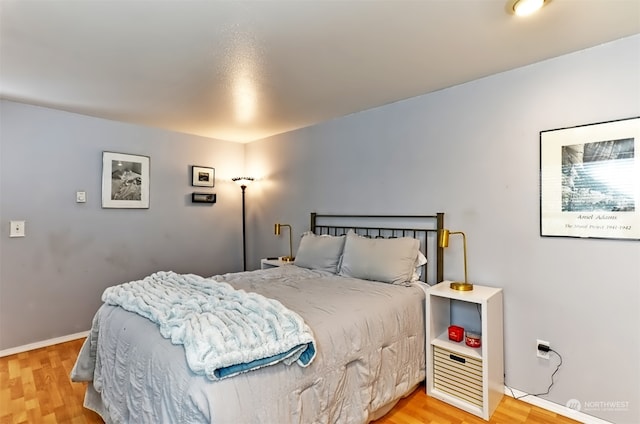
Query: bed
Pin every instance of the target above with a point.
(351, 286)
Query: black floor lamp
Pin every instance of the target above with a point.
(243, 182)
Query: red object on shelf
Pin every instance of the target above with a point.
(472, 339)
(456, 333)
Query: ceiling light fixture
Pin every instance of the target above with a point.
(526, 7)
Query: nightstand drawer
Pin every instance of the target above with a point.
(458, 375)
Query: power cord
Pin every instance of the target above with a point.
(548, 349)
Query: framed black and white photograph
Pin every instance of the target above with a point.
(125, 181)
(202, 176)
(590, 181)
(203, 197)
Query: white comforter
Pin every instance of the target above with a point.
(224, 331)
(370, 352)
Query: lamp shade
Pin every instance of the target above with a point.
(242, 181)
(443, 238)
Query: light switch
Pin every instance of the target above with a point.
(17, 229)
(81, 196)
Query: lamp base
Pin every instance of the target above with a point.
(287, 259)
(461, 286)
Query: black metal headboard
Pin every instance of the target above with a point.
(422, 227)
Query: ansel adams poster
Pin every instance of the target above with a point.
(125, 180)
(590, 180)
(598, 176)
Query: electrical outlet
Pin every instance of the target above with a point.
(17, 229)
(541, 353)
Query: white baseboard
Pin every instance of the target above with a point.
(44, 343)
(554, 407)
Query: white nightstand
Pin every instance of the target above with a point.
(273, 263)
(469, 378)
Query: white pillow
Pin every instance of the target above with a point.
(421, 260)
(319, 252)
(390, 260)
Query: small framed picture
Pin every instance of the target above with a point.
(203, 197)
(125, 181)
(203, 176)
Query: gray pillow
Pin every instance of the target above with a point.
(388, 260)
(320, 252)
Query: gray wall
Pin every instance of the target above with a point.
(51, 280)
(472, 151)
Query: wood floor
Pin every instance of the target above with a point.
(418, 408)
(35, 388)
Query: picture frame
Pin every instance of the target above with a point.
(202, 176)
(125, 181)
(590, 181)
(203, 197)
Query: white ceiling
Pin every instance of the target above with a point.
(240, 70)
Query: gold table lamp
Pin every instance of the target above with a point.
(443, 241)
(277, 232)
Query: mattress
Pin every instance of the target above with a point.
(370, 352)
